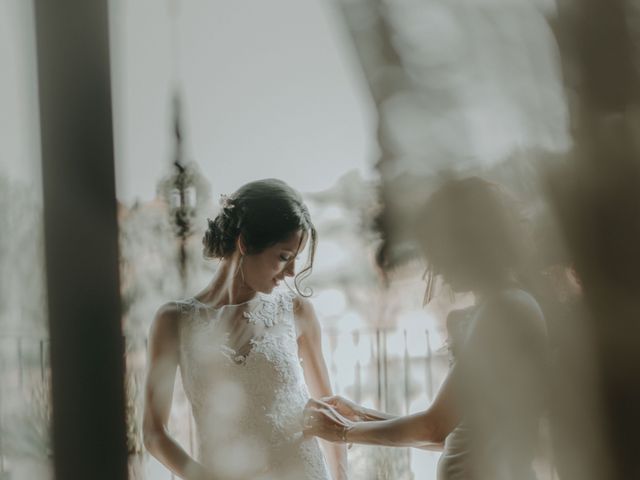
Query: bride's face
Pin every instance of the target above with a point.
(265, 270)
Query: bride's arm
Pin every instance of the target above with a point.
(316, 375)
(161, 374)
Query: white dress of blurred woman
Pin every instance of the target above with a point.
(249, 352)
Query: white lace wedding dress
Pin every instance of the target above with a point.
(241, 373)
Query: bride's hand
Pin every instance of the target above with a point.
(345, 407)
(322, 420)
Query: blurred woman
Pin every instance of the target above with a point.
(249, 353)
(485, 416)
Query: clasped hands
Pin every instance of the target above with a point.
(331, 418)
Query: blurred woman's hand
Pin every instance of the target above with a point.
(348, 409)
(322, 420)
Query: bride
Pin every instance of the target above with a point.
(249, 352)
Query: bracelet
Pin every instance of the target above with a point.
(344, 432)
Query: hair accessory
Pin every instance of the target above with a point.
(226, 202)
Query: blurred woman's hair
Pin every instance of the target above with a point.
(473, 225)
(263, 213)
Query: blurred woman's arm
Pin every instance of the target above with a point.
(352, 411)
(426, 430)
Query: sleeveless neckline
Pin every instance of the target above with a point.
(257, 296)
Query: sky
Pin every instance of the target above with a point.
(19, 124)
(270, 89)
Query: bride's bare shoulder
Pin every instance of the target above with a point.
(301, 305)
(166, 320)
(305, 316)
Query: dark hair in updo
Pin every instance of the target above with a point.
(264, 212)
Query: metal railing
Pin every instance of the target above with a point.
(365, 365)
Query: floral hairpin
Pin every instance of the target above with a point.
(226, 202)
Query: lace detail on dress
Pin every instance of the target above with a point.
(270, 310)
(249, 405)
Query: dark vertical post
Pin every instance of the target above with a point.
(20, 365)
(407, 375)
(429, 367)
(598, 200)
(42, 361)
(379, 369)
(357, 376)
(191, 433)
(358, 383)
(2, 377)
(385, 369)
(81, 240)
